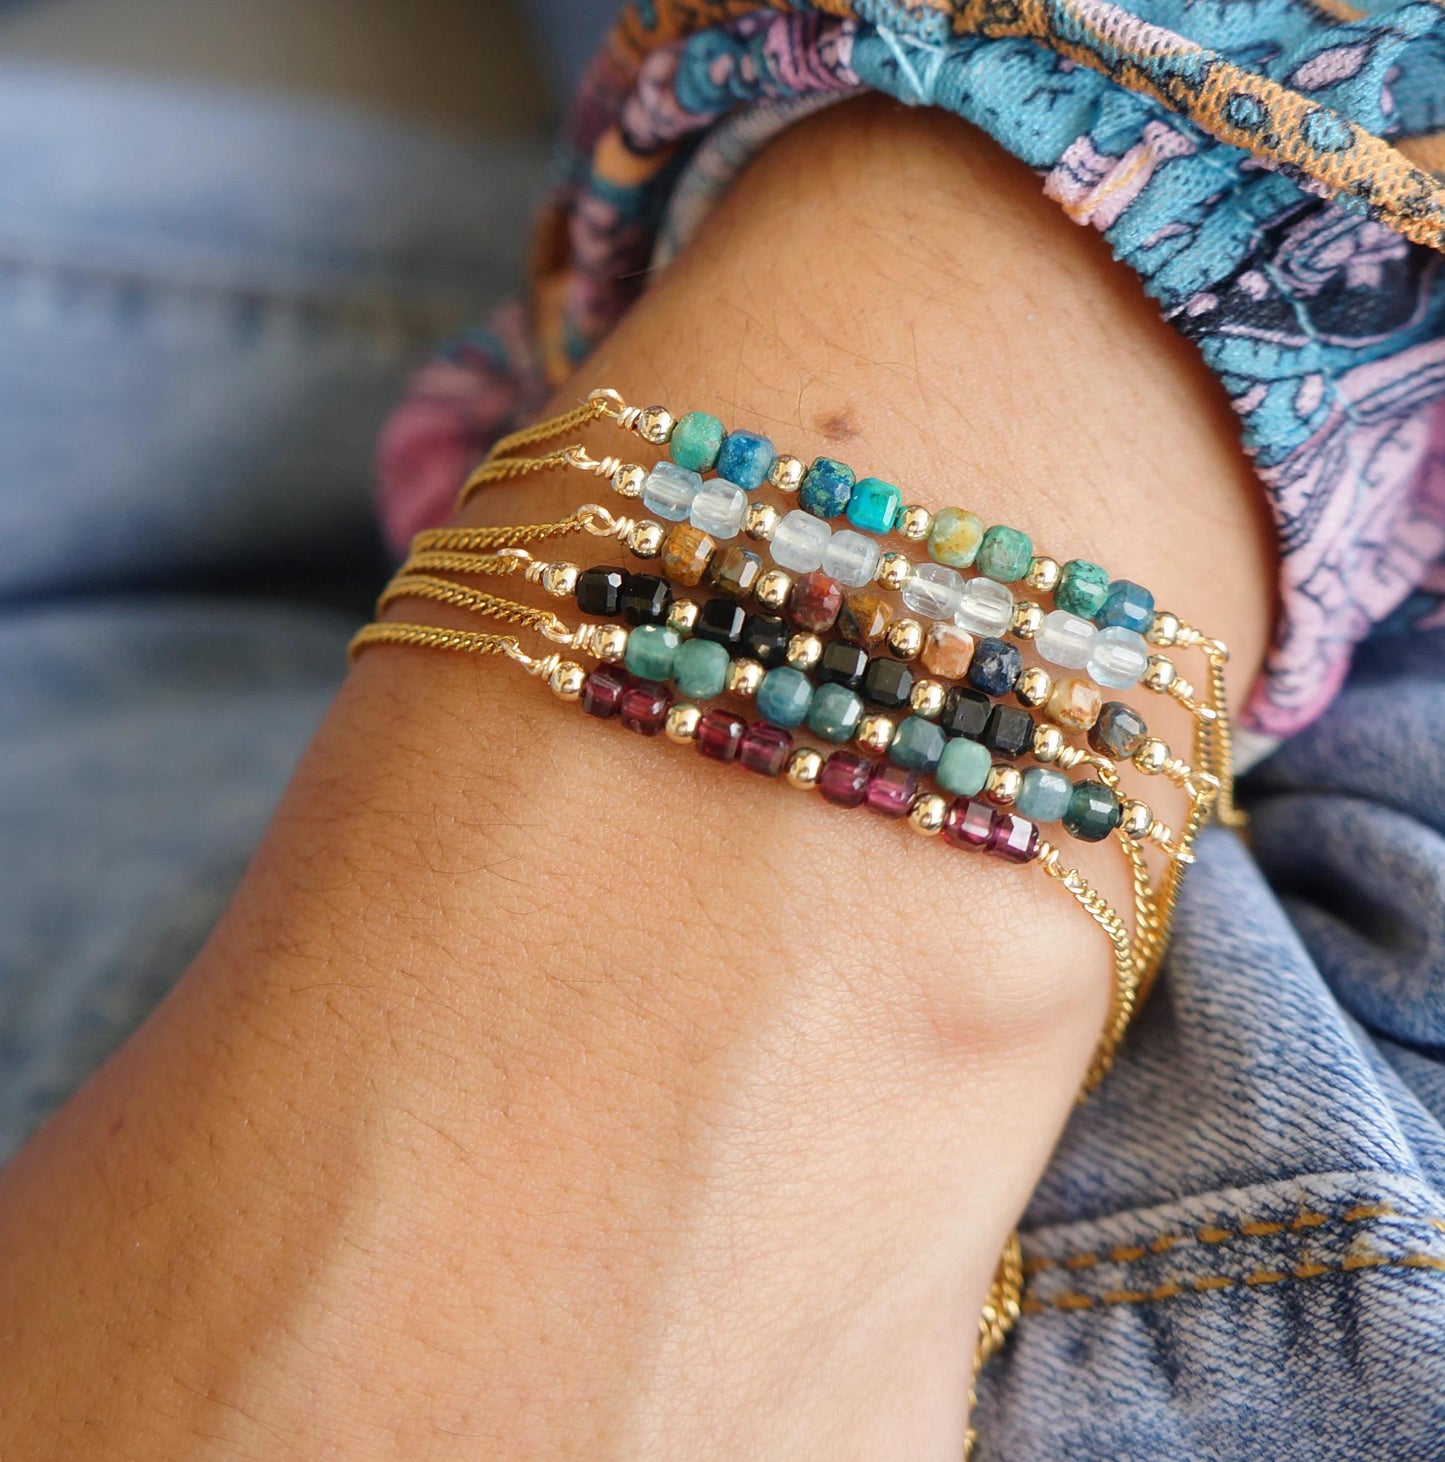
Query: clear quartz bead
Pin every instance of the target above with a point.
(986, 607)
(933, 590)
(1120, 657)
(669, 490)
(850, 558)
(798, 542)
(719, 509)
(1066, 639)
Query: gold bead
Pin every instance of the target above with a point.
(875, 733)
(760, 522)
(927, 699)
(804, 651)
(1151, 755)
(893, 570)
(566, 680)
(1163, 629)
(1027, 620)
(804, 768)
(1048, 744)
(1035, 686)
(627, 481)
(744, 677)
(559, 579)
(682, 616)
(1004, 785)
(1044, 574)
(645, 538)
(1137, 819)
(914, 523)
(609, 642)
(682, 722)
(905, 639)
(773, 589)
(654, 424)
(786, 473)
(1160, 673)
(927, 814)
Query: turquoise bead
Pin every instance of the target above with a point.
(834, 713)
(1044, 796)
(964, 767)
(745, 458)
(1126, 606)
(917, 744)
(652, 651)
(696, 440)
(701, 669)
(783, 697)
(1083, 587)
(874, 505)
(827, 486)
(1004, 554)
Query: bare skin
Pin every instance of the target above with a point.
(551, 1093)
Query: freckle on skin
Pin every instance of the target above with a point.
(837, 426)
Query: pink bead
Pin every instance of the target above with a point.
(844, 779)
(1014, 839)
(891, 791)
(720, 735)
(969, 824)
(602, 691)
(765, 749)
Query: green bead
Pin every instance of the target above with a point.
(1093, 812)
(874, 506)
(964, 767)
(1083, 587)
(1045, 795)
(834, 713)
(1004, 554)
(652, 651)
(784, 696)
(917, 744)
(701, 669)
(955, 537)
(696, 440)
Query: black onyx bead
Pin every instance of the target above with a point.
(887, 682)
(765, 639)
(645, 599)
(721, 621)
(1009, 733)
(995, 667)
(599, 591)
(965, 712)
(843, 664)
(1119, 731)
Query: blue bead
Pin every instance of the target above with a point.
(917, 744)
(996, 667)
(874, 505)
(1126, 606)
(783, 697)
(1045, 795)
(827, 486)
(745, 458)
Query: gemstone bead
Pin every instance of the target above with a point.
(719, 509)
(834, 713)
(686, 552)
(696, 440)
(1093, 812)
(887, 682)
(744, 458)
(955, 537)
(874, 506)
(1082, 589)
(721, 621)
(1014, 839)
(995, 667)
(644, 708)
(985, 608)
(1127, 605)
(646, 599)
(850, 558)
(844, 779)
(735, 571)
(864, 618)
(1074, 703)
(669, 490)
(843, 664)
(599, 591)
(964, 767)
(965, 712)
(602, 691)
(1066, 639)
(827, 486)
(652, 651)
(969, 823)
(1009, 732)
(891, 791)
(1120, 657)
(765, 639)
(1045, 794)
(947, 651)
(917, 744)
(784, 696)
(720, 735)
(700, 670)
(1119, 731)
(1004, 554)
(765, 749)
(815, 603)
(934, 591)
(798, 542)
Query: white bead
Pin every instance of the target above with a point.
(799, 540)
(669, 491)
(1066, 639)
(987, 607)
(933, 590)
(719, 509)
(1120, 657)
(850, 558)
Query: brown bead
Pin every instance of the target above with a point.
(686, 552)
(1075, 703)
(864, 618)
(735, 572)
(947, 651)
(816, 602)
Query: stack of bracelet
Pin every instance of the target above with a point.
(879, 679)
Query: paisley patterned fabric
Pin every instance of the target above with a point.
(1266, 167)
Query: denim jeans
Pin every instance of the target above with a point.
(1239, 1249)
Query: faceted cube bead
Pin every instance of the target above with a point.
(1093, 812)
(954, 537)
(887, 682)
(933, 591)
(721, 621)
(798, 542)
(719, 509)
(646, 599)
(917, 744)
(1074, 703)
(844, 779)
(1082, 588)
(744, 458)
(1127, 605)
(1119, 732)
(644, 708)
(965, 712)
(765, 639)
(1120, 657)
(964, 767)
(1045, 794)
(686, 553)
(969, 823)
(696, 440)
(1009, 732)
(735, 571)
(1004, 554)
(784, 696)
(651, 652)
(874, 506)
(827, 485)
(700, 670)
(599, 590)
(843, 664)
(668, 491)
(1066, 639)
(995, 667)
(834, 713)
(850, 558)
(864, 618)
(947, 651)
(891, 791)
(815, 603)
(602, 691)
(765, 749)
(984, 608)
(720, 735)
(1014, 839)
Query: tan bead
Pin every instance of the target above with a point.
(1004, 785)
(627, 481)
(1075, 702)
(864, 618)
(654, 424)
(735, 571)
(893, 570)
(1027, 620)
(774, 589)
(682, 722)
(566, 680)
(905, 639)
(686, 553)
(1159, 673)
(609, 642)
(786, 473)
(926, 699)
(947, 650)
(645, 538)
(1137, 818)
(1035, 686)
(804, 768)
(682, 616)
(875, 733)
(914, 523)
(760, 522)
(1044, 574)
(1163, 629)
(804, 651)
(1151, 755)
(559, 579)
(928, 813)
(744, 677)
(1048, 744)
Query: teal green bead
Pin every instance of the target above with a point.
(1044, 796)
(1094, 811)
(1083, 587)
(964, 767)
(701, 669)
(783, 697)
(652, 651)
(834, 713)
(697, 438)
(1004, 554)
(917, 744)
(875, 505)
